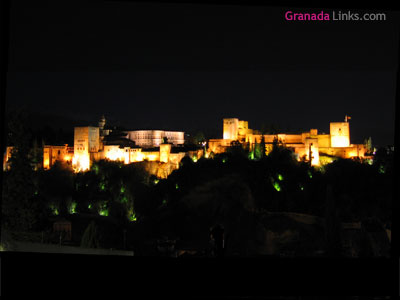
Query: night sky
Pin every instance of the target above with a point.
(188, 66)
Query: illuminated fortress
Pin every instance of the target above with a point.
(93, 143)
(304, 145)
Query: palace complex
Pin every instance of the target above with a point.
(92, 143)
(305, 145)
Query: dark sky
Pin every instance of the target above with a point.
(187, 66)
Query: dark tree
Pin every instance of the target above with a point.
(262, 146)
(199, 138)
(18, 208)
(56, 186)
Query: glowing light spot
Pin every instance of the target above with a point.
(102, 186)
(72, 208)
(156, 181)
(194, 158)
(280, 177)
(104, 212)
(54, 210)
(90, 206)
(224, 160)
(251, 155)
(340, 141)
(176, 186)
(81, 162)
(132, 217)
(122, 189)
(309, 174)
(277, 186)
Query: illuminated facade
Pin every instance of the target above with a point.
(94, 143)
(6, 158)
(86, 147)
(307, 145)
(340, 134)
(154, 138)
(231, 127)
(51, 154)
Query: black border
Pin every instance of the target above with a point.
(138, 277)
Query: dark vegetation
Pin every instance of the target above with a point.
(121, 206)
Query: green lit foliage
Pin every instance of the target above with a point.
(103, 212)
(124, 199)
(131, 214)
(103, 209)
(132, 217)
(89, 189)
(275, 184)
(112, 189)
(258, 151)
(54, 209)
(72, 208)
(251, 155)
(384, 161)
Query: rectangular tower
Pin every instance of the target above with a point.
(231, 128)
(312, 150)
(86, 140)
(340, 134)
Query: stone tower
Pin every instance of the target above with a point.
(340, 134)
(231, 128)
